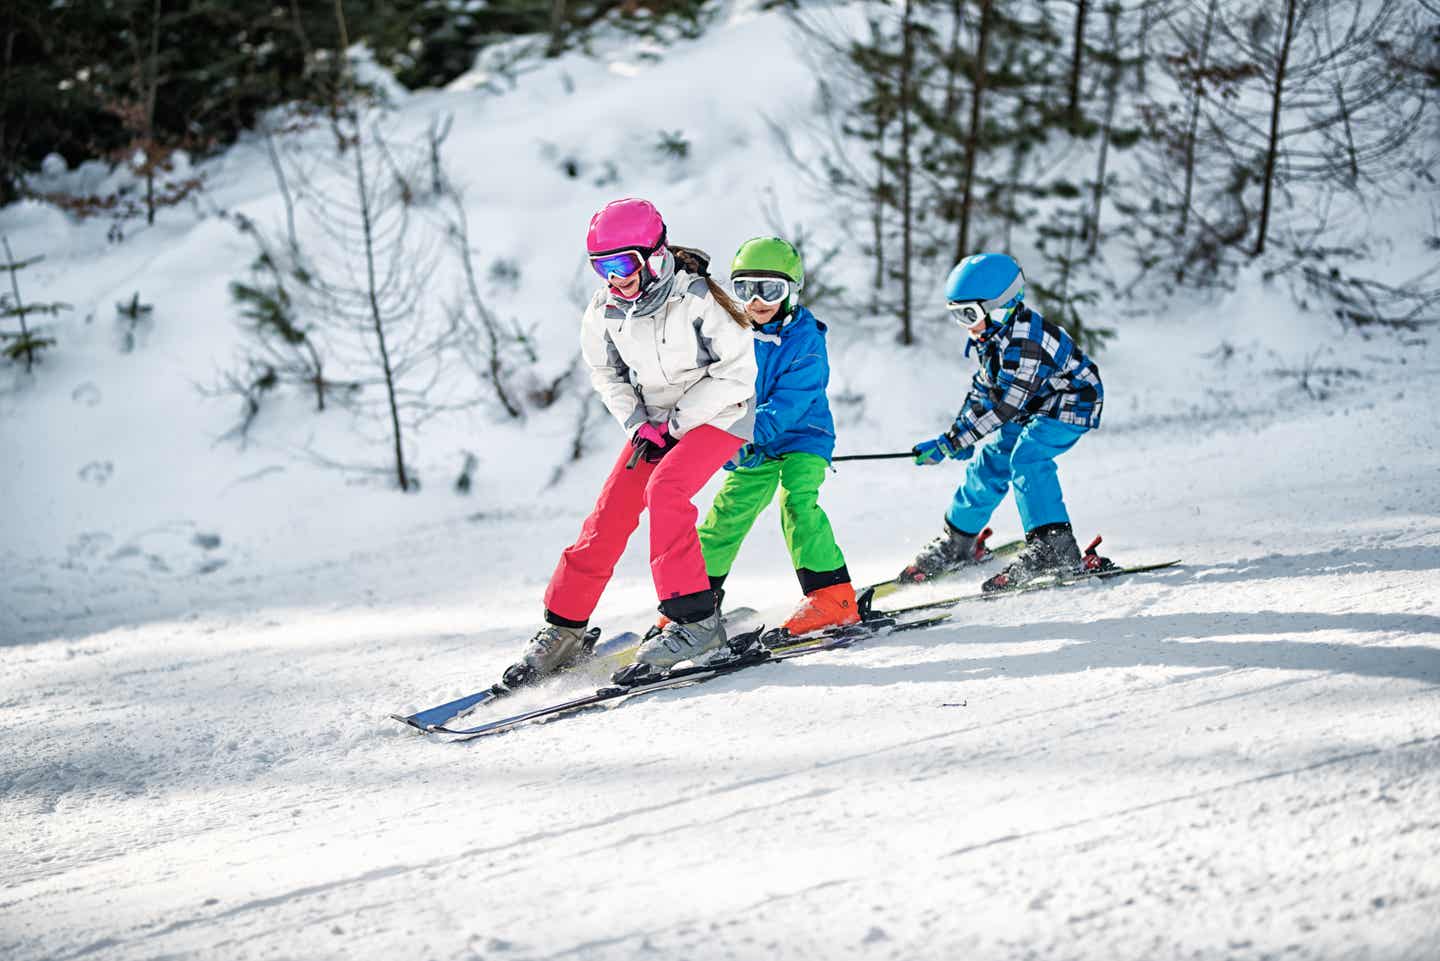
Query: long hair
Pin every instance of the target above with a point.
(723, 298)
(697, 262)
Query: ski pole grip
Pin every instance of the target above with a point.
(640, 448)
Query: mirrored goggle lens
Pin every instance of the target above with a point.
(966, 315)
(768, 289)
(616, 265)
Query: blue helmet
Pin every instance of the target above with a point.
(994, 280)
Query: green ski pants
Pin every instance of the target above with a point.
(747, 492)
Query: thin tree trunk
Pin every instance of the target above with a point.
(319, 367)
(972, 136)
(557, 28)
(877, 218)
(907, 54)
(1272, 149)
(953, 76)
(1350, 153)
(1144, 56)
(7, 193)
(952, 66)
(373, 299)
(1194, 123)
(151, 94)
(1112, 94)
(372, 296)
(300, 34)
(496, 365)
(1077, 57)
(284, 184)
(342, 78)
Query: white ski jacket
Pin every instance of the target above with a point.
(685, 365)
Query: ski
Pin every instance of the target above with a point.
(779, 638)
(677, 677)
(787, 648)
(866, 600)
(614, 653)
(985, 554)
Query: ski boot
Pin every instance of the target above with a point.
(832, 606)
(676, 642)
(1050, 551)
(701, 643)
(947, 553)
(553, 647)
(660, 624)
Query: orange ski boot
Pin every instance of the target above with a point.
(832, 606)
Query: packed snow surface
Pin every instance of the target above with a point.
(1235, 759)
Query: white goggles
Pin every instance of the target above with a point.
(767, 290)
(969, 313)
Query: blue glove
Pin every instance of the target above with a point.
(929, 452)
(745, 457)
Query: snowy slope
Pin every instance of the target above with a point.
(1238, 759)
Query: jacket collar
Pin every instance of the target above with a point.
(992, 328)
(781, 326)
(654, 301)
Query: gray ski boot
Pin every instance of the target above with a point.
(552, 648)
(1050, 551)
(947, 553)
(699, 641)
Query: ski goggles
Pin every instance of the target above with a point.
(622, 263)
(971, 312)
(967, 314)
(768, 290)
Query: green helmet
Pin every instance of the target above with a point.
(769, 257)
(761, 262)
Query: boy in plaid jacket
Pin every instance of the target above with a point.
(1035, 395)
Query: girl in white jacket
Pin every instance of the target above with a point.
(673, 360)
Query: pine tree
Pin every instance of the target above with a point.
(27, 342)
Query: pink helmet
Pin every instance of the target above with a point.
(629, 224)
(625, 236)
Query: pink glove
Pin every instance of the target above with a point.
(658, 439)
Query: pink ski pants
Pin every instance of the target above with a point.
(666, 490)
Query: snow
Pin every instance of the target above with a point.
(1236, 759)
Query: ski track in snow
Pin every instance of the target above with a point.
(1235, 760)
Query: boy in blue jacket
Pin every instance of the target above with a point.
(1035, 396)
(794, 440)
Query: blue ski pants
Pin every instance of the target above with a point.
(1022, 454)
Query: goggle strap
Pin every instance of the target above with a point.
(1011, 292)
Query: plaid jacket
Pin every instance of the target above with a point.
(1029, 367)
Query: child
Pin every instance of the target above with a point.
(1038, 394)
(794, 440)
(671, 358)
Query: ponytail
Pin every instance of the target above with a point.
(736, 312)
(697, 262)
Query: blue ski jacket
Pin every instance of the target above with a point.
(792, 413)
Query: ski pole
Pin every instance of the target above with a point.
(640, 448)
(895, 456)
